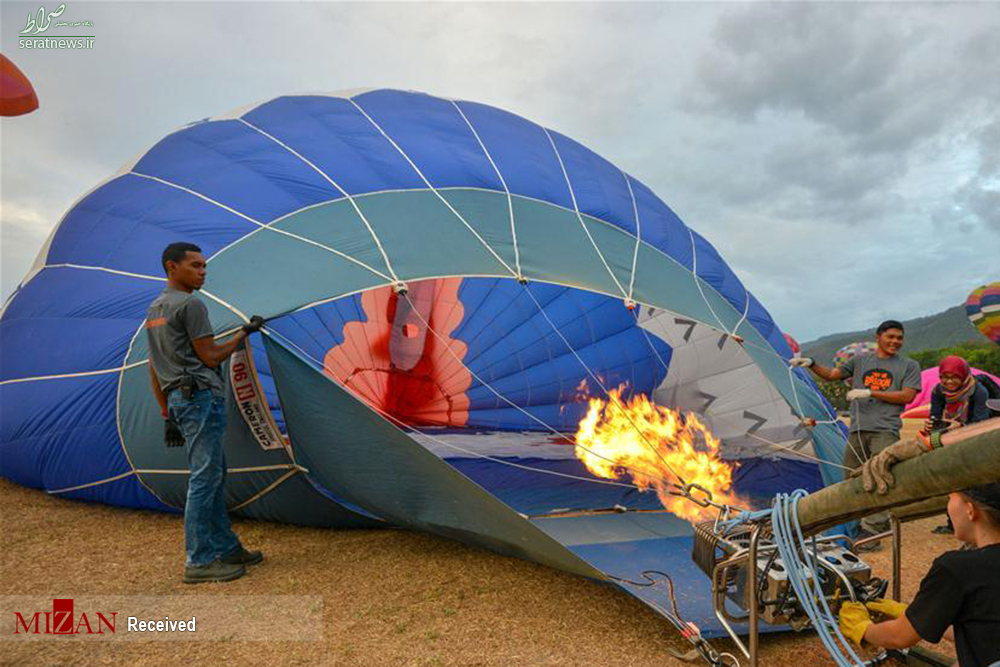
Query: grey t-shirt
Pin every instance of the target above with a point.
(174, 319)
(868, 371)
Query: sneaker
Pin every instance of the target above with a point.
(946, 529)
(870, 546)
(243, 557)
(214, 571)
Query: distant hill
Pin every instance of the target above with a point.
(951, 327)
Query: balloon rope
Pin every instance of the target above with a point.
(579, 216)
(698, 280)
(503, 182)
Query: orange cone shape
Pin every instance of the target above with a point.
(17, 97)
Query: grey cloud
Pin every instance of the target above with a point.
(829, 176)
(846, 99)
(814, 59)
(982, 204)
(885, 76)
(973, 206)
(988, 142)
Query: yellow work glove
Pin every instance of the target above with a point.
(854, 620)
(889, 608)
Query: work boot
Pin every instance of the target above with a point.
(214, 571)
(243, 557)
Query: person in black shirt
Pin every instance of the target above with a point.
(960, 596)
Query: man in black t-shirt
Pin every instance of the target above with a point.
(960, 596)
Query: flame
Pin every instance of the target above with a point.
(655, 445)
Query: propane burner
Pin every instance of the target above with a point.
(726, 559)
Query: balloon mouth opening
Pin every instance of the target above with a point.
(487, 372)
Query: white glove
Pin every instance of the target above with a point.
(800, 362)
(855, 394)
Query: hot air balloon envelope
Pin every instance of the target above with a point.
(446, 285)
(848, 352)
(983, 309)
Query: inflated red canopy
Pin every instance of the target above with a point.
(17, 97)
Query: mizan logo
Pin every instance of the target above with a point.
(60, 621)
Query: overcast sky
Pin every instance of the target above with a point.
(844, 158)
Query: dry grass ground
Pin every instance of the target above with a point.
(391, 597)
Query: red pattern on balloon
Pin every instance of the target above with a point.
(393, 363)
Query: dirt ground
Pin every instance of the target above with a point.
(391, 597)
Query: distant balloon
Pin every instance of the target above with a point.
(17, 97)
(848, 352)
(792, 343)
(983, 309)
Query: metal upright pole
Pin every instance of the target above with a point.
(752, 597)
(897, 549)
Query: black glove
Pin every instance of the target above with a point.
(172, 433)
(254, 325)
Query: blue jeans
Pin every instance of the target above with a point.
(208, 534)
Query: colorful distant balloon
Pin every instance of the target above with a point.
(983, 309)
(848, 352)
(17, 97)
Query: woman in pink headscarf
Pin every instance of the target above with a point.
(959, 399)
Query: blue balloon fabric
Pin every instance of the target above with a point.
(464, 275)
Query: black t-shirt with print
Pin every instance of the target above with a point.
(962, 590)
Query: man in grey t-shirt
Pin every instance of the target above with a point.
(174, 320)
(882, 383)
(878, 376)
(184, 371)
